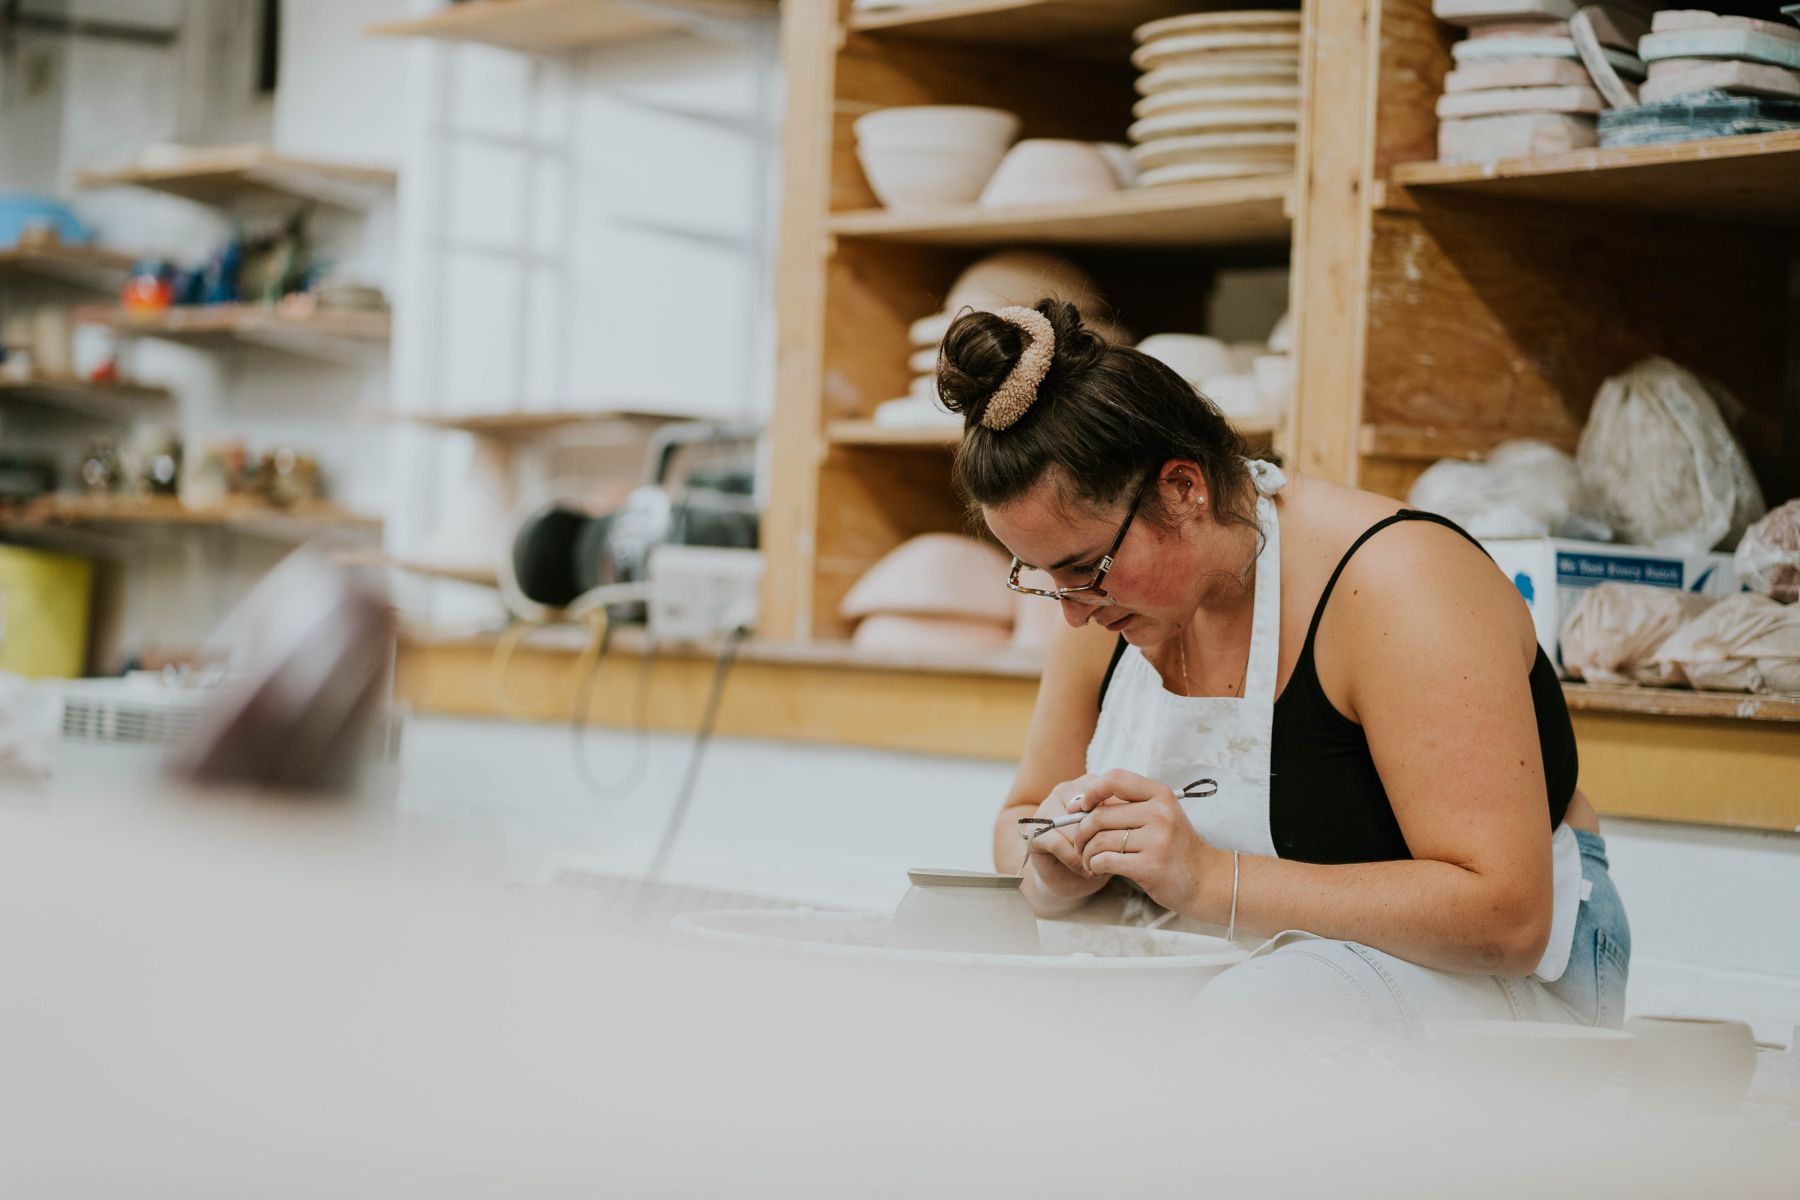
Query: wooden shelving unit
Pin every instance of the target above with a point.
(1675, 702)
(562, 26)
(1228, 212)
(109, 400)
(228, 175)
(855, 276)
(89, 267)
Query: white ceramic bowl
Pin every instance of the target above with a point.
(926, 177)
(923, 361)
(966, 126)
(1050, 171)
(903, 634)
(1192, 356)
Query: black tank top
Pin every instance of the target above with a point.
(1326, 800)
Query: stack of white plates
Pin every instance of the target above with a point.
(1220, 96)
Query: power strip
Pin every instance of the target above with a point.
(702, 593)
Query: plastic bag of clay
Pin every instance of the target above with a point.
(1613, 633)
(1662, 464)
(1524, 489)
(1743, 643)
(1768, 557)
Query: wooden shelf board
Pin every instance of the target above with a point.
(1751, 179)
(252, 322)
(868, 433)
(90, 267)
(1082, 27)
(228, 174)
(1224, 212)
(560, 26)
(524, 426)
(239, 513)
(1679, 702)
(1428, 443)
(486, 576)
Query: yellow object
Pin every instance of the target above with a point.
(45, 602)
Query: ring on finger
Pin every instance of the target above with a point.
(1125, 846)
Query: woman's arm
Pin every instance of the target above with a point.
(1062, 723)
(1432, 650)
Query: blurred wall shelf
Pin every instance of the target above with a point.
(228, 175)
(90, 267)
(561, 26)
(107, 400)
(326, 333)
(483, 576)
(242, 514)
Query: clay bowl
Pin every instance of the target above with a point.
(973, 912)
(915, 177)
(1694, 1063)
(952, 126)
(1050, 171)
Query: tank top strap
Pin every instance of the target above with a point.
(1405, 514)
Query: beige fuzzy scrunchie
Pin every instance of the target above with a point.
(1020, 387)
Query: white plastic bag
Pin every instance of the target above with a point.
(1659, 459)
(1744, 643)
(1613, 633)
(1768, 558)
(1524, 489)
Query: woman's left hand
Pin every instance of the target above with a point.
(1136, 828)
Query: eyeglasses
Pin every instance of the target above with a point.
(1088, 593)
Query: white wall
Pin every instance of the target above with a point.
(1713, 912)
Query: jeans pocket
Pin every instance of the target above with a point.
(1612, 968)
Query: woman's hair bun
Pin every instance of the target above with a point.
(981, 349)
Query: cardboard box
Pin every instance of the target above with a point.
(1552, 574)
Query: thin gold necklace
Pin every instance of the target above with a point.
(1187, 688)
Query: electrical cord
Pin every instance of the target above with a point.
(677, 816)
(578, 720)
(500, 662)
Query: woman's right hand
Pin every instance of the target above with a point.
(1053, 866)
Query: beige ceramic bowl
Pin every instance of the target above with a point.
(973, 912)
(1050, 171)
(900, 634)
(935, 574)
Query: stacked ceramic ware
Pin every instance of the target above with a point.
(993, 282)
(1220, 96)
(1252, 383)
(1691, 51)
(1531, 76)
(931, 155)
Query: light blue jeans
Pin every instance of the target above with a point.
(1333, 982)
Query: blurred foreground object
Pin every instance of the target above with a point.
(307, 686)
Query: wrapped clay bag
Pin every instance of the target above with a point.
(936, 575)
(1744, 643)
(1614, 632)
(1524, 489)
(1658, 457)
(1768, 558)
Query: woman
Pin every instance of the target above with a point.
(1284, 705)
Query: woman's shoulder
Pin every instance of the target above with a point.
(1423, 568)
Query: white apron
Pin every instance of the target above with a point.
(1181, 740)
